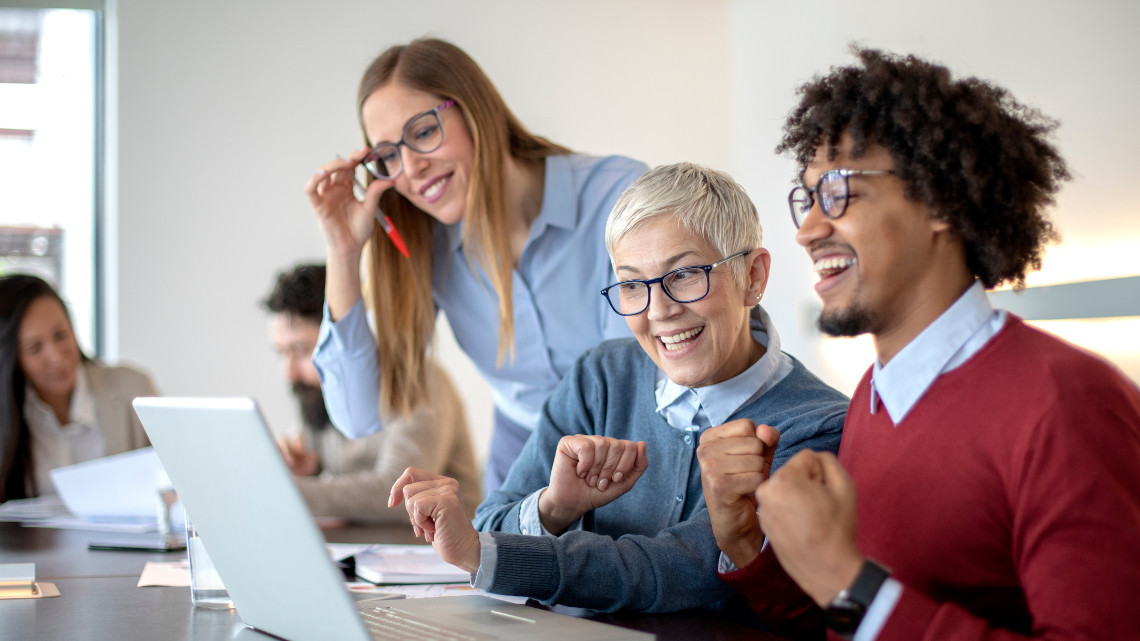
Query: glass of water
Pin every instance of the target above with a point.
(206, 588)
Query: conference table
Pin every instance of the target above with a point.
(99, 597)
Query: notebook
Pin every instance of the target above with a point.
(229, 474)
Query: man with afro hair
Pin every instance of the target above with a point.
(993, 469)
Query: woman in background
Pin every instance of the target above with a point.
(504, 233)
(57, 406)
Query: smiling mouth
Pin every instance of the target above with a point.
(435, 188)
(680, 340)
(828, 267)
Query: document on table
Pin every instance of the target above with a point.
(50, 512)
(41, 508)
(423, 590)
(397, 564)
(166, 573)
(121, 486)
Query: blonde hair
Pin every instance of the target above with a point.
(401, 301)
(705, 202)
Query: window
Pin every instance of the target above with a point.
(49, 61)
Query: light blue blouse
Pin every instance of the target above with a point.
(558, 311)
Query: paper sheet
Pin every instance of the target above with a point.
(122, 485)
(420, 591)
(166, 573)
(37, 509)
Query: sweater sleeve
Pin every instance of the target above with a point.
(781, 605)
(1074, 487)
(674, 570)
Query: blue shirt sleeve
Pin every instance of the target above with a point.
(350, 372)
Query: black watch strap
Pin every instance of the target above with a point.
(846, 611)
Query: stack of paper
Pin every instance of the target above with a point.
(396, 564)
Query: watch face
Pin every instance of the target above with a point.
(844, 616)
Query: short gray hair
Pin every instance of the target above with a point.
(704, 201)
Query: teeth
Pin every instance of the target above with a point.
(674, 342)
(825, 265)
(435, 188)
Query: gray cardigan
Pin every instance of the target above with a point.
(653, 548)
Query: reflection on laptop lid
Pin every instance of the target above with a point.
(271, 556)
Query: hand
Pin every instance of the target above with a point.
(588, 472)
(301, 460)
(346, 223)
(437, 513)
(807, 510)
(735, 459)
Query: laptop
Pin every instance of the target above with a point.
(237, 489)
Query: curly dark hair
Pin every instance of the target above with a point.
(299, 292)
(964, 147)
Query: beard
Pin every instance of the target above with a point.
(312, 402)
(853, 321)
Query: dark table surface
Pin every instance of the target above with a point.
(99, 597)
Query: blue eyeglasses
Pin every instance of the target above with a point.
(684, 285)
(832, 191)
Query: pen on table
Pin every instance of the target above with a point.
(383, 219)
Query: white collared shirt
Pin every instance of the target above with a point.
(695, 408)
(55, 445)
(945, 344)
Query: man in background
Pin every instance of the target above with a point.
(346, 478)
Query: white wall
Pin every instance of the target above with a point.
(226, 108)
(1077, 62)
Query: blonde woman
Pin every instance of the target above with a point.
(503, 232)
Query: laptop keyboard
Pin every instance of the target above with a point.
(386, 622)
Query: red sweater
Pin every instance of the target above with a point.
(1007, 502)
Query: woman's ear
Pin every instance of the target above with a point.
(759, 265)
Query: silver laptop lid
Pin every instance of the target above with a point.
(241, 496)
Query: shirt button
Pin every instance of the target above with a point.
(679, 498)
(526, 530)
(688, 439)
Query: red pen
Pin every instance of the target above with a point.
(384, 220)
(394, 235)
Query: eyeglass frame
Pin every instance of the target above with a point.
(649, 284)
(371, 155)
(812, 191)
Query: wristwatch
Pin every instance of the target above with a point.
(844, 614)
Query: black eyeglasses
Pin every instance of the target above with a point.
(832, 191)
(423, 134)
(684, 285)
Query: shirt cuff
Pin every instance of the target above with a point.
(879, 611)
(349, 335)
(725, 564)
(488, 561)
(530, 521)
